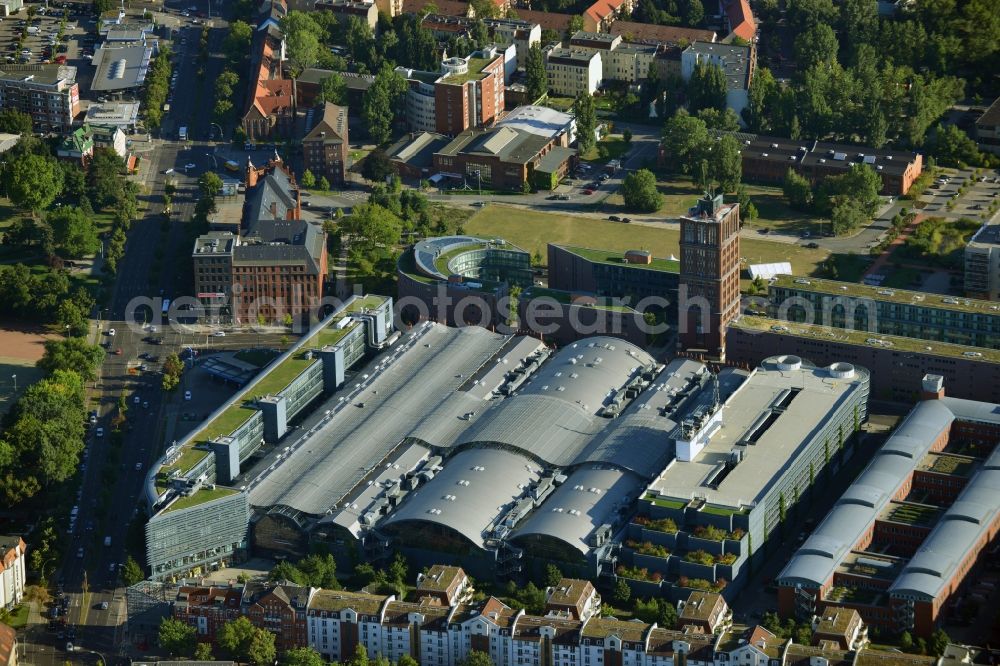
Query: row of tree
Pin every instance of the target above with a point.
(157, 88)
(848, 199)
(694, 151)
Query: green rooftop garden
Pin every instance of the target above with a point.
(659, 524)
(442, 260)
(368, 302)
(618, 259)
(200, 497)
(567, 297)
(475, 72)
(855, 595)
(846, 336)
(648, 548)
(945, 464)
(667, 503)
(721, 510)
(914, 514)
(902, 296)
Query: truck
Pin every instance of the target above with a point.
(182, 133)
(107, 542)
(233, 166)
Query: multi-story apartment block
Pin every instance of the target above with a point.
(522, 34)
(12, 570)
(573, 598)
(446, 585)
(599, 16)
(891, 549)
(982, 263)
(207, 608)
(709, 274)
(280, 609)
(620, 61)
(842, 626)
(707, 612)
(47, 93)
(324, 147)
(573, 72)
(366, 10)
(631, 277)
(737, 62)
(466, 92)
(884, 311)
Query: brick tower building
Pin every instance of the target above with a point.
(709, 294)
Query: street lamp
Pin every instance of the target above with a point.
(95, 652)
(217, 124)
(479, 178)
(215, 162)
(14, 377)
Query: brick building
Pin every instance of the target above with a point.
(709, 291)
(891, 551)
(324, 147)
(280, 609)
(207, 608)
(344, 9)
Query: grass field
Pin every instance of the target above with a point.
(611, 147)
(531, 230)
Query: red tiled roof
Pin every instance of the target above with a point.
(741, 21)
(602, 9)
(445, 7)
(547, 20)
(7, 638)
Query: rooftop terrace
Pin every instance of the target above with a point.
(200, 497)
(475, 72)
(901, 296)
(909, 513)
(864, 338)
(945, 463)
(618, 259)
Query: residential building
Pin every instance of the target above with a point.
(648, 33)
(207, 608)
(119, 69)
(706, 612)
(573, 598)
(111, 137)
(739, 20)
(13, 562)
(309, 82)
(599, 16)
(324, 147)
(988, 128)
(505, 159)
(446, 7)
(628, 63)
(521, 33)
(572, 72)
(48, 93)
(982, 263)
(884, 311)
(280, 609)
(543, 121)
(444, 585)
(367, 11)
(77, 145)
(897, 363)
(737, 62)
(766, 159)
(709, 291)
(466, 92)
(900, 541)
(546, 20)
(842, 626)
(8, 645)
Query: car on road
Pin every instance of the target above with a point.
(168, 172)
(103, 605)
(93, 417)
(614, 218)
(189, 166)
(79, 553)
(145, 404)
(118, 351)
(626, 220)
(765, 230)
(138, 466)
(812, 246)
(111, 332)
(99, 432)
(187, 395)
(219, 334)
(135, 400)
(588, 191)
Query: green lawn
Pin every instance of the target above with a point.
(27, 374)
(200, 497)
(558, 103)
(611, 147)
(281, 376)
(17, 618)
(258, 357)
(903, 278)
(531, 230)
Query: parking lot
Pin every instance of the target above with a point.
(37, 40)
(980, 192)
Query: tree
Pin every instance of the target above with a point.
(847, 214)
(378, 107)
(407, 660)
(302, 49)
(627, 136)
(797, 190)
(104, 177)
(319, 571)
(640, 193)
(71, 354)
(33, 182)
(953, 147)
(360, 656)
(726, 163)
(236, 636)
(203, 652)
(373, 227)
(285, 570)
(305, 656)
(684, 140)
(73, 233)
(622, 592)
(178, 638)
(707, 87)
(938, 642)
(817, 46)
(131, 572)
(761, 96)
(332, 89)
(237, 42)
(261, 651)
(323, 184)
(552, 575)
(858, 22)
(724, 121)
(693, 12)
(308, 180)
(906, 641)
(477, 658)
(13, 121)
(377, 166)
(209, 183)
(585, 113)
(537, 79)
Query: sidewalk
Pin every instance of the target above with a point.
(883, 258)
